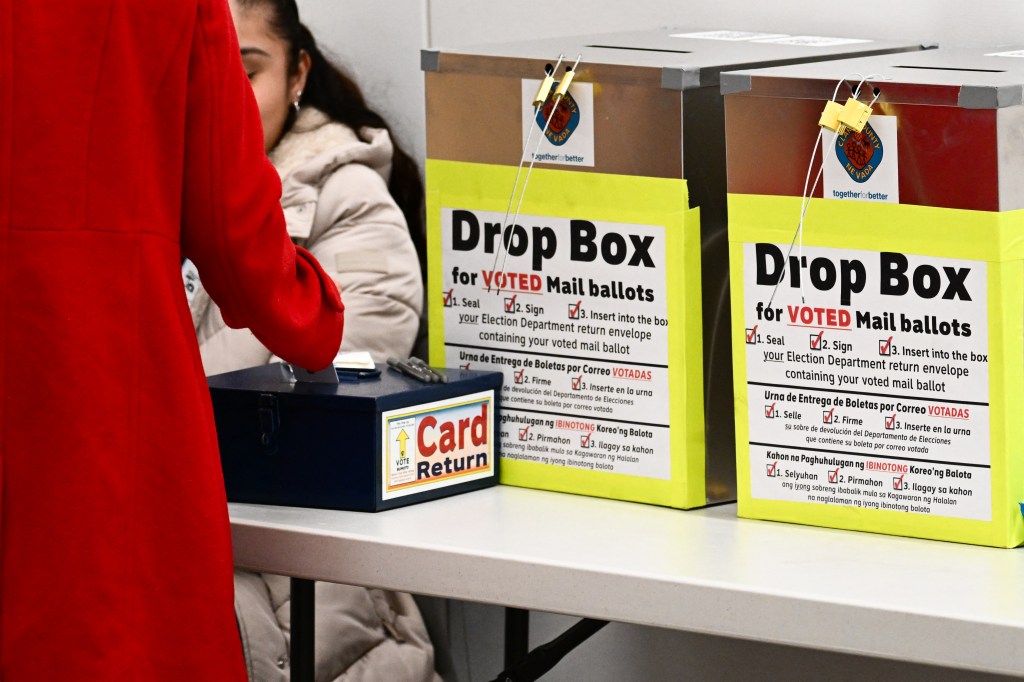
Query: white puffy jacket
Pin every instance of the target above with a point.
(337, 205)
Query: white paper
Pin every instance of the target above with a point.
(813, 41)
(881, 403)
(729, 36)
(569, 139)
(862, 166)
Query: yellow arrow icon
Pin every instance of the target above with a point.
(401, 438)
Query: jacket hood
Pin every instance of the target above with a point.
(311, 151)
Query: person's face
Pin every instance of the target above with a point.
(265, 57)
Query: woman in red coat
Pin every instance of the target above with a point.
(128, 139)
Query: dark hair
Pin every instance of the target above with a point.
(331, 91)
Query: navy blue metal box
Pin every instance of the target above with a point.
(345, 446)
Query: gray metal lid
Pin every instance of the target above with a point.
(685, 57)
(972, 78)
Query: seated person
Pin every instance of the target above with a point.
(353, 198)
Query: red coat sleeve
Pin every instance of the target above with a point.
(232, 225)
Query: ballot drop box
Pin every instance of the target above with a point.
(365, 445)
(598, 282)
(879, 362)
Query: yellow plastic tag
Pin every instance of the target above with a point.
(855, 115)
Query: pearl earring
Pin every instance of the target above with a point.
(298, 97)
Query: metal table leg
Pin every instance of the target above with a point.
(545, 657)
(517, 635)
(303, 613)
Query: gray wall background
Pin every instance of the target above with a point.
(380, 42)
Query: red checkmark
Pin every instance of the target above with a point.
(772, 467)
(510, 304)
(751, 334)
(890, 422)
(833, 476)
(523, 432)
(816, 340)
(884, 346)
(897, 483)
(465, 366)
(828, 415)
(574, 310)
(448, 297)
(577, 382)
(585, 439)
(769, 410)
(519, 376)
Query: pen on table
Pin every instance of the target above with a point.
(417, 362)
(423, 368)
(404, 367)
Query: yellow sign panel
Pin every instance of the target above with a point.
(590, 306)
(879, 367)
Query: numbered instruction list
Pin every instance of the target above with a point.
(867, 380)
(573, 313)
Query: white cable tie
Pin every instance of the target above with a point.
(515, 183)
(533, 160)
